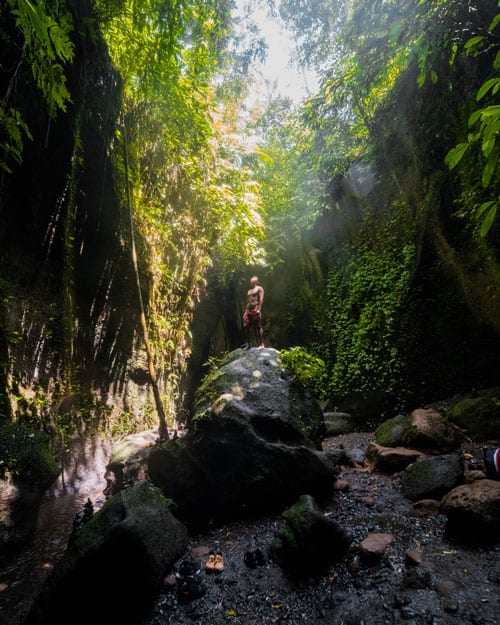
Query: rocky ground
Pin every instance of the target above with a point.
(454, 583)
(441, 581)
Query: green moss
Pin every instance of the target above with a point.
(26, 455)
(388, 433)
(478, 415)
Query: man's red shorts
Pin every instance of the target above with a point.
(252, 318)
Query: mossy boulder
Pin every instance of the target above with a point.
(390, 432)
(479, 416)
(252, 446)
(310, 541)
(115, 563)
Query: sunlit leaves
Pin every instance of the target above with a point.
(48, 47)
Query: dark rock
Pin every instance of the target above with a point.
(123, 551)
(474, 509)
(479, 416)
(432, 478)
(310, 541)
(253, 445)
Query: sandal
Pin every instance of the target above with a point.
(219, 563)
(210, 563)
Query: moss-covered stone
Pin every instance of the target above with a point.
(479, 416)
(116, 562)
(432, 478)
(309, 542)
(390, 432)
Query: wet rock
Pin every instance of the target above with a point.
(479, 416)
(431, 431)
(391, 459)
(310, 541)
(375, 545)
(474, 508)
(432, 478)
(253, 446)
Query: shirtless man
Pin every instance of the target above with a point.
(252, 317)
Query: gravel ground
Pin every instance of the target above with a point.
(456, 584)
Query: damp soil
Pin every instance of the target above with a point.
(458, 581)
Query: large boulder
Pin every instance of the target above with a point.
(432, 478)
(474, 509)
(479, 416)
(431, 431)
(114, 565)
(252, 446)
(424, 429)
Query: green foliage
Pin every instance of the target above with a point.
(367, 293)
(47, 48)
(25, 454)
(484, 125)
(309, 370)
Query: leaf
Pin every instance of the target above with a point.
(495, 22)
(434, 77)
(455, 155)
(493, 84)
(488, 219)
(489, 168)
(473, 43)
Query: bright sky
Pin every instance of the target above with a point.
(290, 81)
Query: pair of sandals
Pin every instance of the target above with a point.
(214, 563)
